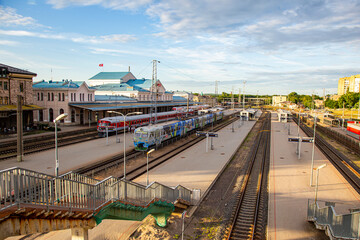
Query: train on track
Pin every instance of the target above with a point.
(193, 108)
(112, 124)
(149, 136)
(353, 129)
(331, 121)
(116, 123)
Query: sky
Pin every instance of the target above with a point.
(276, 46)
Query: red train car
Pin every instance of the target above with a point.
(112, 124)
(353, 129)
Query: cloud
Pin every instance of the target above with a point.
(112, 4)
(9, 18)
(264, 23)
(115, 38)
(8, 43)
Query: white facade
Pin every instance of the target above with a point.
(277, 100)
(124, 79)
(186, 95)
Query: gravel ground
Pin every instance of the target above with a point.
(210, 219)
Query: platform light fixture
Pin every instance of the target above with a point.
(124, 116)
(56, 120)
(317, 179)
(147, 165)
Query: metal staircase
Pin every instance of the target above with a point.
(35, 202)
(336, 226)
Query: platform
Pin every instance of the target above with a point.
(192, 168)
(289, 189)
(64, 128)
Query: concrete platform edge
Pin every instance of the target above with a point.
(193, 208)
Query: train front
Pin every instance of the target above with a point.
(103, 126)
(141, 139)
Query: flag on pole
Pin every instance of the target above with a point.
(101, 65)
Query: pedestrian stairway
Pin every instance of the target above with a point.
(33, 202)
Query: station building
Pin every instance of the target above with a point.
(349, 84)
(56, 98)
(107, 91)
(14, 82)
(126, 84)
(184, 94)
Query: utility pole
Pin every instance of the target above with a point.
(244, 82)
(257, 99)
(187, 105)
(216, 90)
(19, 126)
(154, 92)
(239, 100)
(232, 98)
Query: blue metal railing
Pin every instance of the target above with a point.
(342, 226)
(73, 191)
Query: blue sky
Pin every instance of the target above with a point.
(276, 46)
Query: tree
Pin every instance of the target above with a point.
(348, 100)
(331, 104)
(293, 97)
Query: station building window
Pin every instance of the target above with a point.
(42, 96)
(48, 96)
(6, 100)
(51, 115)
(1, 100)
(21, 87)
(63, 97)
(59, 97)
(38, 96)
(72, 115)
(5, 85)
(61, 112)
(52, 96)
(41, 115)
(1, 85)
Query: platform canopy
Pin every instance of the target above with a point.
(6, 108)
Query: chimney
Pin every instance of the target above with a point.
(129, 69)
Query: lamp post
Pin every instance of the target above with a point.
(56, 120)
(116, 132)
(317, 180)
(124, 116)
(147, 165)
(312, 156)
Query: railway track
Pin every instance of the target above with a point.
(249, 217)
(45, 142)
(347, 168)
(118, 159)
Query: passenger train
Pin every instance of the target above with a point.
(117, 123)
(353, 129)
(191, 108)
(148, 136)
(330, 121)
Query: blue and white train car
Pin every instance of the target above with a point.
(154, 135)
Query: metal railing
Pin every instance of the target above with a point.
(344, 226)
(73, 191)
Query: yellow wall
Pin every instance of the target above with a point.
(347, 84)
